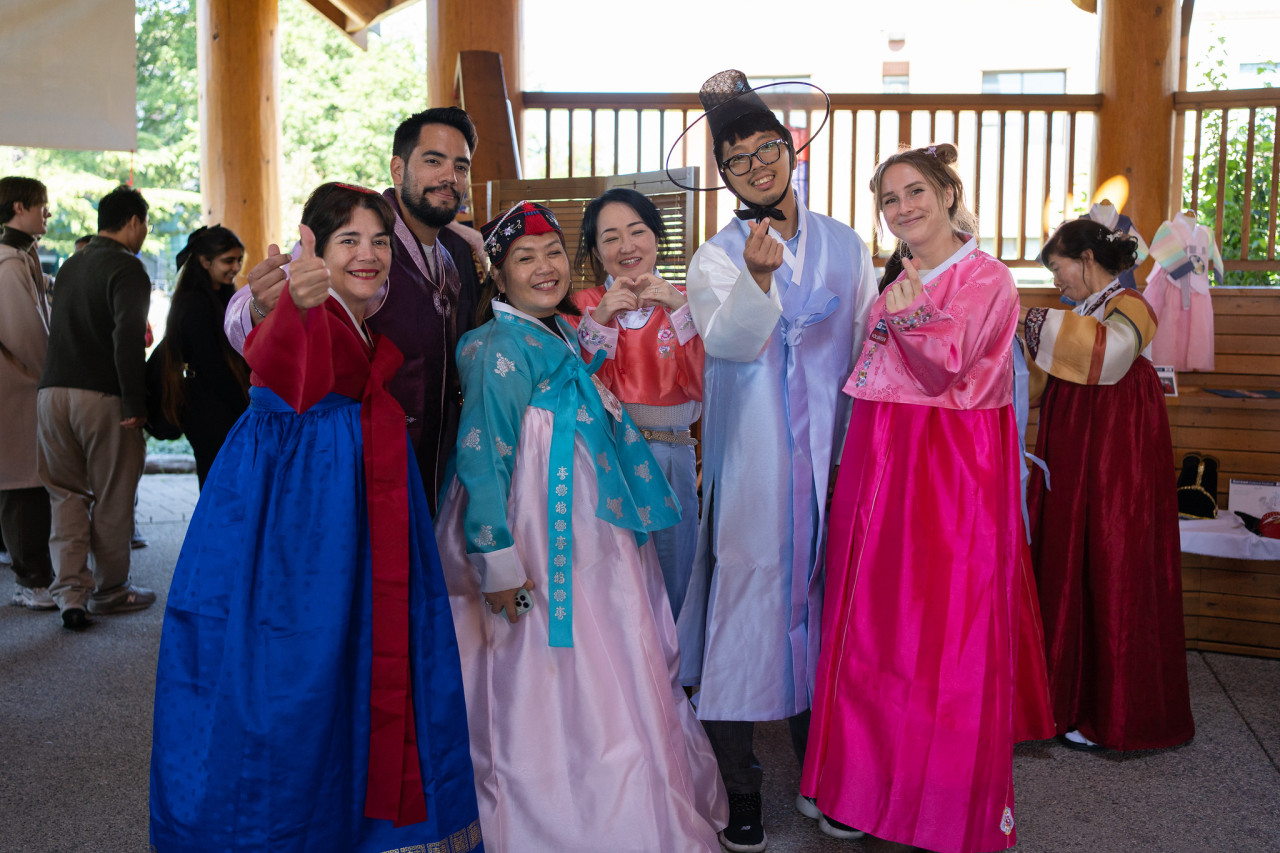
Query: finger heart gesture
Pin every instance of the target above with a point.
(905, 290)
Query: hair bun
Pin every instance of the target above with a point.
(945, 152)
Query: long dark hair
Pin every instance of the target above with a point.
(194, 291)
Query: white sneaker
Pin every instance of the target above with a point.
(33, 598)
(808, 807)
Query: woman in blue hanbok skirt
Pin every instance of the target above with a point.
(308, 694)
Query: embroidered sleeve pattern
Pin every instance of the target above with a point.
(682, 322)
(496, 387)
(940, 344)
(594, 337)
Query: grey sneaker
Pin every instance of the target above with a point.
(125, 600)
(33, 598)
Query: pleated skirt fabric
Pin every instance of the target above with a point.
(1108, 562)
(261, 728)
(932, 660)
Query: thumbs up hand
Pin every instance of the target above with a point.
(308, 276)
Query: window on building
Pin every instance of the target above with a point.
(1024, 82)
(896, 77)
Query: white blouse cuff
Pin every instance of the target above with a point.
(499, 569)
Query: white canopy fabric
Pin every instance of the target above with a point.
(68, 75)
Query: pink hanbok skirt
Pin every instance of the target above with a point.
(1184, 336)
(588, 748)
(932, 661)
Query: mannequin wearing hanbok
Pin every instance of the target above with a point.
(1186, 258)
(1105, 537)
(310, 555)
(581, 736)
(932, 664)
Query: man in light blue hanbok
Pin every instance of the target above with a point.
(780, 296)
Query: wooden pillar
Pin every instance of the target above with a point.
(239, 128)
(1137, 73)
(457, 25)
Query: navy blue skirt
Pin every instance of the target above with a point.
(261, 734)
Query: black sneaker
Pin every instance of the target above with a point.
(75, 619)
(745, 832)
(834, 828)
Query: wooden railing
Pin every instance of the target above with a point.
(1025, 159)
(1231, 175)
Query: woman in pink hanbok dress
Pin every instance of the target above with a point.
(582, 739)
(932, 662)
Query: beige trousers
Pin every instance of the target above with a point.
(90, 466)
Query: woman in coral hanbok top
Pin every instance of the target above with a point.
(1105, 522)
(653, 355)
(931, 663)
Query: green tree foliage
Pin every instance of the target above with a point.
(1235, 190)
(341, 104)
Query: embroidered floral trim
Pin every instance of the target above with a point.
(560, 595)
(583, 417)
(562, 490)
(686, 321)
(472, 348)
(560, 526)
(603, 461)
(559, 561)
(642, 471)
(1034, 325)
(485, 537)
(504, 449)
(918, 317)
(472, 439)
(505, 365)
(631, 436)
(1006, 821)
(595, 338)
(644, 515)
(544, 386)
(865, 366)
(615, 506)
(670, 502)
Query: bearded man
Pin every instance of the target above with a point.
(430, 296)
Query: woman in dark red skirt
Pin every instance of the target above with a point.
(1105, 521)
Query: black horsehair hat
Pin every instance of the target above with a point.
(727, 97)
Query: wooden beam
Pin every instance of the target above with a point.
(483, 94)
(1137, 75)
(454, 26)
(239, 129)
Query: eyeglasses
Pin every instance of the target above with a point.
(740, 164)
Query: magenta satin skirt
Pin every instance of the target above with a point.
(932, 661)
